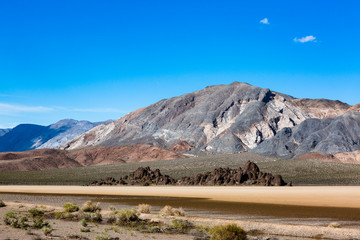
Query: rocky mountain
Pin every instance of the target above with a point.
(325, 136)
(30, 136)
(218, 119)
(41, 159)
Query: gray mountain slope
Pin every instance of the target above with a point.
(72, 129)
(218, 119)
(325, 136)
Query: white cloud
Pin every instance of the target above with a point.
(10, 109)
(305, 39)
(264, 21)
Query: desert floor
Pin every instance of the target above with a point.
(331, 196)
(284, 212)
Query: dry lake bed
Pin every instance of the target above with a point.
(301, 212)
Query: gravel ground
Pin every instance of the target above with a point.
(71, 229)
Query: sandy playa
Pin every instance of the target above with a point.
(330, 196)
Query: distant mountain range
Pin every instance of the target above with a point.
(4, 131)
(30, 136)
(218, 119)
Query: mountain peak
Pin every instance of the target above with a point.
(220, 118)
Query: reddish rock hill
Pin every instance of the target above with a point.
(101, 155)
(49, 158)
(345, 157)
(181, 147)
(36, 160)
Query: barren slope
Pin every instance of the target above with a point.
(324, 136)
(101, 155)
(223, 118)
(49, 158)
(30, 136)
(35, 160)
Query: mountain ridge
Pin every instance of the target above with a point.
(217, 119)
(25, 137)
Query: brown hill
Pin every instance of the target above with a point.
(181, 147)
(101, 155)
(355, 108)
(321, 108)
(344, 157)
(49, 158)
(349, 157)
(36, 160)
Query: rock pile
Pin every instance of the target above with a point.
(141, 177)
(250, 174)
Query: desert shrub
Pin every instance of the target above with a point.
(334, 225)
(70, 207)
(103, 237)
(112, 217)
(92, 216)
(126, 216)
(112, 208)
(64, 215)
(181, 225)
(34, 212)
(202, 228)
(23, 222)
(170, 211)
(144, 208)
(11, 219)
(47, 230)
(96, 216)
(85, 229)
(228, 232)
(91, 206)
(39, 223)
(2, 204)
(83, 222)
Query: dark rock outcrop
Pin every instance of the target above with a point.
(250, 174)
(141, 176)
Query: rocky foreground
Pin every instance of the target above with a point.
(250, 174)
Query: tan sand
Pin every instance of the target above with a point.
(330, 196)
(65, 228)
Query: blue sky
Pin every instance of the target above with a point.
(98, 60)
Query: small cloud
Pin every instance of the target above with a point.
(10, 109)
(305, 39)
(264, 21)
